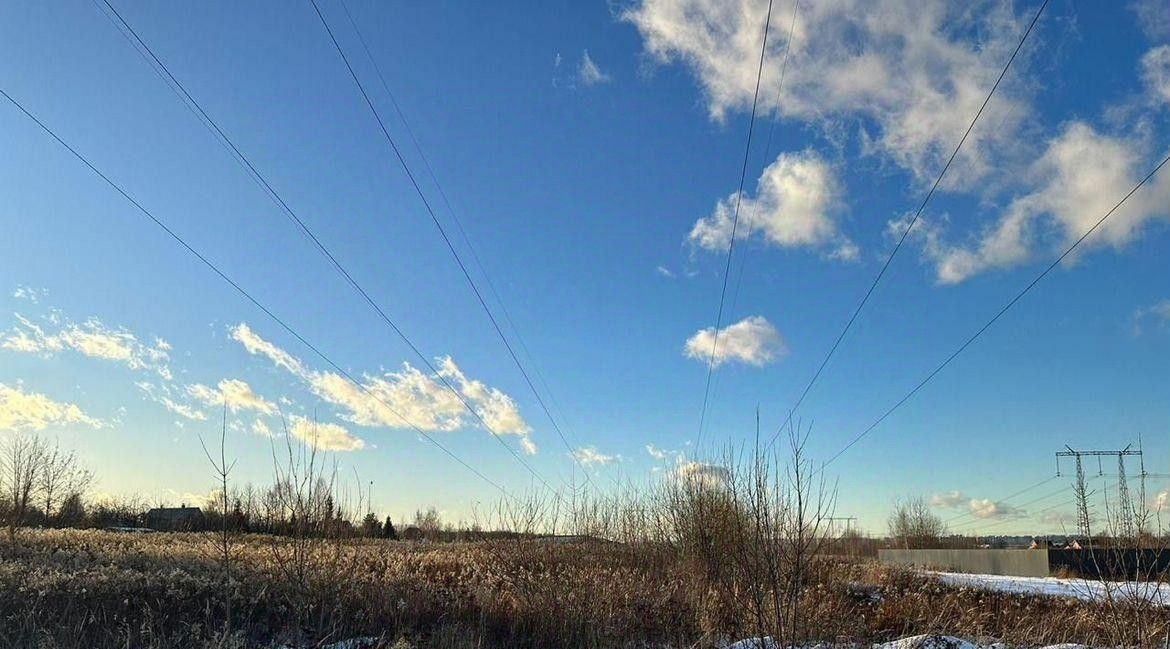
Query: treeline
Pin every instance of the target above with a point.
(44, 485)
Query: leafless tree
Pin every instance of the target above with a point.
(59, 476)
(912, 524)
(21, 459)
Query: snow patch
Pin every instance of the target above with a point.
(1082, 589)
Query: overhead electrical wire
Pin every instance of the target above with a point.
(754, 208)
(910, 225)
(734, 227)
(987, 325)
(253, 172)
(1007, 498)
(247, 295)
(475, 258)
(443, 233)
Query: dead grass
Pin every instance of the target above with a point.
(72, 588)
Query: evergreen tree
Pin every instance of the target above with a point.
(371, 526)
(388, 531)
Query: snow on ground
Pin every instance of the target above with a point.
(912, 642)
(1081, 589)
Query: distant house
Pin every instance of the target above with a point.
(175, 519)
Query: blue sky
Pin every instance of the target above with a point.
(592, 152)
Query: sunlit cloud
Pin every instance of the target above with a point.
(404, 399)
(235, 394)
(92, 339)
(31, 411)
(589, 456)
(1080, 177)
(751, 341)
(984, 508)
(905, 75)
(324, 436)
(794, 206)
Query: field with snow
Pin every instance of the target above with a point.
(1085, 590)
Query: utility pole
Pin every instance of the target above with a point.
(1125, 502)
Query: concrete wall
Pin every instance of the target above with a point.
(1020, 563)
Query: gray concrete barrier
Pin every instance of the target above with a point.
(1020, 563)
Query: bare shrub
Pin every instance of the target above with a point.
(912, 524)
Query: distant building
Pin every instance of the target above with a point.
(175, 519)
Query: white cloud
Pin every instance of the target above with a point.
(589, 455)
(236, 394)
(1152, 17)
(162, 395)
(1161, 501)
(910, 73)
(27, 411)
(753, 341)
(256, 345)
(665, 272)
(405, 398)
(948, 499)
(656, 453)
(261, 428)
(28, 293)
(1156, 73)
(985, 508)
(702, 473)
(324, 436)
(1081, 176)
(1159, 312)
(91, 338)
(589, 73)
(794, 204)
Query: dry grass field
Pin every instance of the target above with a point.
(85, 588)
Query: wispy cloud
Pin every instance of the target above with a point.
(402, 399)
(29, 411)
(589, 74)
(324, 436)
(589, 456)
(33, 295)
(948, 500)
(656, 453)
(1082, 174)
(1158, 313)
(752, 341)
(91, 338)
(235, 394)
(1155, 69)
(665, 272)
(162, 394)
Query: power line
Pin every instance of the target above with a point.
(767, 155)
(1007, 498)
(254, 173)
(459, 225)
(968, 524)
(734, 227)
(239, 289)
(443, 232)
(1041, 511)
(913, 221)
(998, 314)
